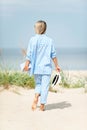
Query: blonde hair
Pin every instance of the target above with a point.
(40, 27)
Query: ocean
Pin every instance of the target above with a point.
(69, 59)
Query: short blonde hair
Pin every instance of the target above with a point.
(40, 27)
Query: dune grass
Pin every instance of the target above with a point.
(8, 78)
(68, 82)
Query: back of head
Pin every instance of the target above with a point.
(40, 27)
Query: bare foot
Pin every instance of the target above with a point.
(34, 105)
(42, 107)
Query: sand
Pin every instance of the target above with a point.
(65, 110)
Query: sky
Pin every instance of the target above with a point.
(66, 22)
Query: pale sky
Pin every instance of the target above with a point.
(66, 20)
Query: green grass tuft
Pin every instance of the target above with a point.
(8, 78)
(69, 82)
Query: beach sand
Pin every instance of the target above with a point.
(65, 110)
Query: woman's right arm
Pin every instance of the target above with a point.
(56, 64)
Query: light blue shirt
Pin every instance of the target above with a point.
(40, 52)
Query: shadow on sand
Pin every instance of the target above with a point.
(60, 105)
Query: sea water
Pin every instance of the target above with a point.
(69, 59)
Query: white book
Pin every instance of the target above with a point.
(22, 65)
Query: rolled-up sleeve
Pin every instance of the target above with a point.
(53, 51)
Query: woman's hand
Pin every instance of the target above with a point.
(58, 68)
(26, 68)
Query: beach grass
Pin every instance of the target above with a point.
(69, 81)
(18, 78)
(8, 78)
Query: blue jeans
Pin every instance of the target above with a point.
(42, 86)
